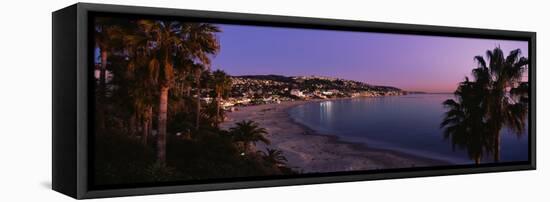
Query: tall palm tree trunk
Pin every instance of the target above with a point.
(188, 91)
(198, 81)
(147, 125)
(218, 115)
(101, 91)
(163, 111)
(496, 154)
(132, 123)
(496, 128)
(145, 132)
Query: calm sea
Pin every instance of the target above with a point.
(408, 123)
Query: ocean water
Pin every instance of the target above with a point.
(408, 123)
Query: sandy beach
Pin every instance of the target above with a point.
(310, 152)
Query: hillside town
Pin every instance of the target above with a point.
(265, 89)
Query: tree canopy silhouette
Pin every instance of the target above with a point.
(495, 98)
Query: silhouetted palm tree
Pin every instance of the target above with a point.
(198, 70)
(166, 39)
(463, 121)
(201, 42)
(222, 85)
(274, 157)
(108, 39)
(248, 132)
(163, 38)
(143, 90)
(504, 73)
(496, 98)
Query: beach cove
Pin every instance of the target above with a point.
(309, 151)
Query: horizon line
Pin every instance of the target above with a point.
(332, 77)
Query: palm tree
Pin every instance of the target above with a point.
(521, 92)
(274, 157)
(463, 121)
(184, 81)
(108, 36)
(143, 93)
(201, 42)
(248, 132)
(504, 73)
(208, 114)
(140, 73)
(222, 85)
(164, 38)
(167, 39)
(197, 70)
(497, 97)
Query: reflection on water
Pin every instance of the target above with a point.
(325, 111)
(406, 123)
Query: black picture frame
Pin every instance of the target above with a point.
(73, 87)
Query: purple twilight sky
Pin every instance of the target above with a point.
(409, 62)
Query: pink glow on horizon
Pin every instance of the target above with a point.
(409, 62)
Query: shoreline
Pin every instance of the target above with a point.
(309, 151)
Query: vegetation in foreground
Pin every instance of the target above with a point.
(152, 121)
(216, 154)
(496, 98)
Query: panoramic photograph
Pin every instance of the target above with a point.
(180, 101)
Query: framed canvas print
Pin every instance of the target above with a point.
(154, 100)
